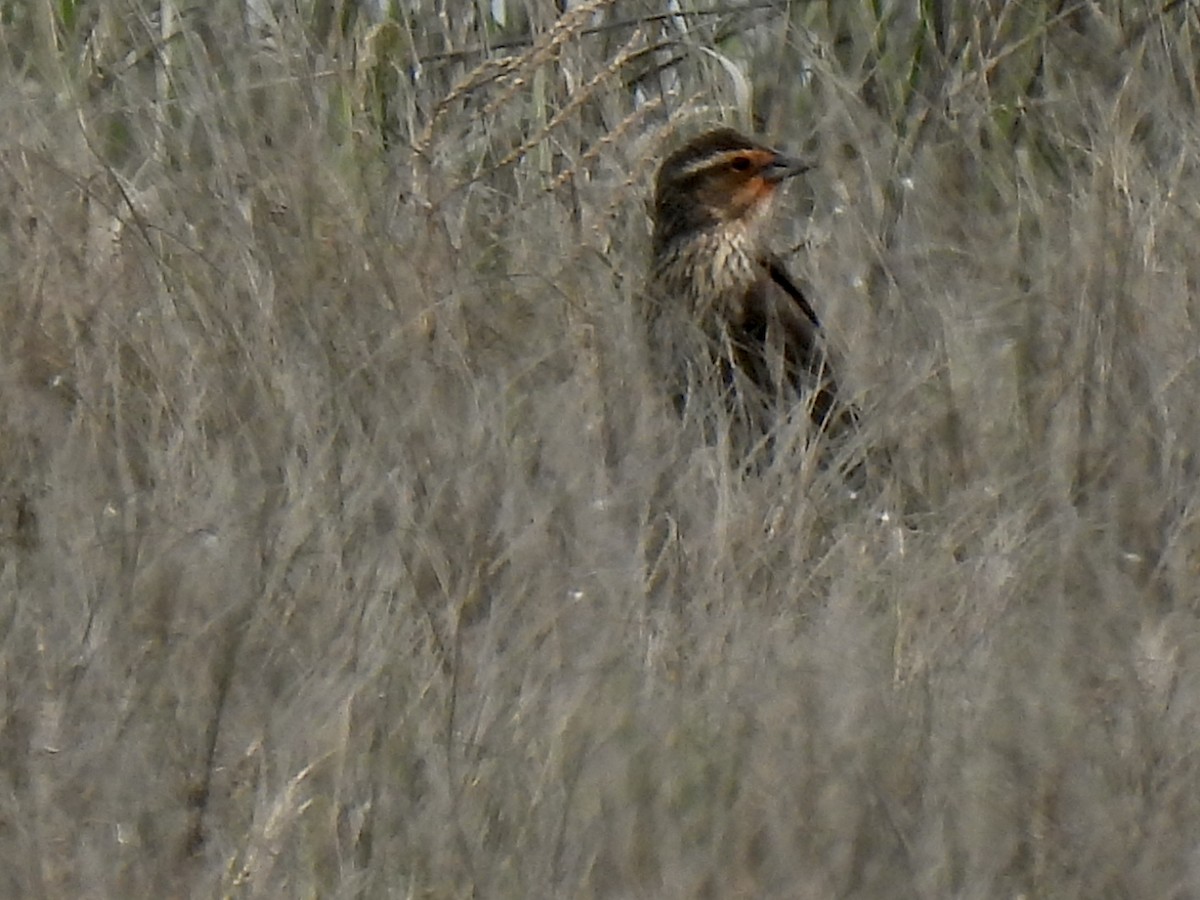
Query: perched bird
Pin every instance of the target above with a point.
(721, 303)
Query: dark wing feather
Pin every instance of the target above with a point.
(780, 276)
(776, 305)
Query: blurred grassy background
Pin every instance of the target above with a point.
(348, 550)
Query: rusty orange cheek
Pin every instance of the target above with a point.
(755, 191)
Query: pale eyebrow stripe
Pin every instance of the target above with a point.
(709, 162)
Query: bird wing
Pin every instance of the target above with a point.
(779, 274)
(781, 323)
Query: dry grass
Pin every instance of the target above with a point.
(347, 548)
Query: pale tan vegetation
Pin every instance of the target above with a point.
(348, 548)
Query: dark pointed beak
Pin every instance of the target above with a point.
(783, 166)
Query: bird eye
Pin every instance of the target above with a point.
(740, 163)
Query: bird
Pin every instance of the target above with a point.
(722, 303)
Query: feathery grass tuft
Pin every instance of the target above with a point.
(348, 546)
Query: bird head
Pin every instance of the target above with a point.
(718, 179)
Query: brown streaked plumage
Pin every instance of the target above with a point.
(712, 267)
